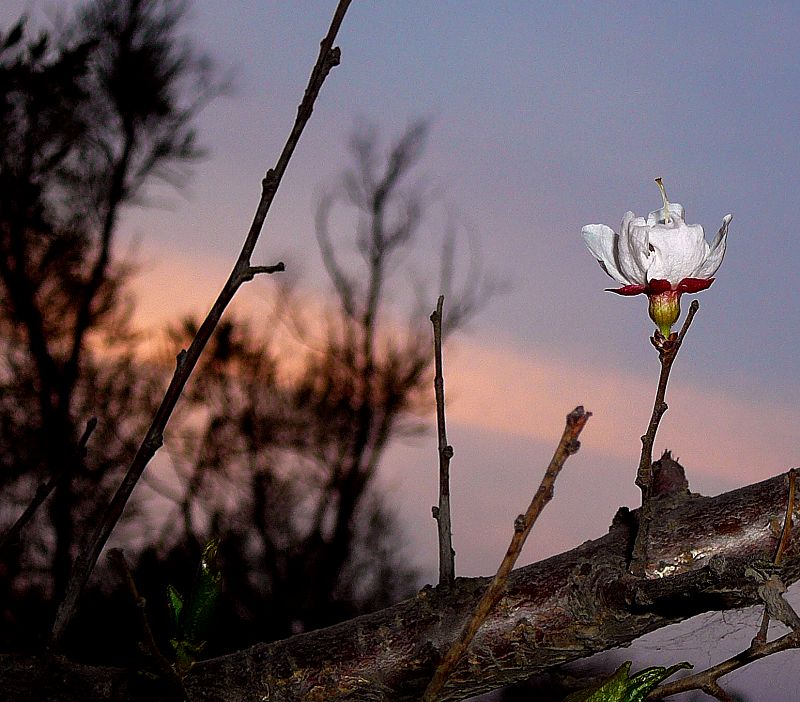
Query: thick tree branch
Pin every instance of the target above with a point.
(555, 611)
(242, 271)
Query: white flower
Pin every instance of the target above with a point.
(657, 250)
(658, 256)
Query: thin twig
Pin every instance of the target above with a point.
(167, 672)
(242, 272)
(44, 489)
(667, 352)
(567, 446)
(783, 543)
(707, 679)
(447, 566)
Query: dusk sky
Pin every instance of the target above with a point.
(545, 117)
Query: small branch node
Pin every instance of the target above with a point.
(519, 523)
(252, 271)
(334, 57)
(154, 442)
(270, 182)
(578, 416)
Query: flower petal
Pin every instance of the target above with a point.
(716, 252)
(633, 249)
(658, 216)
(600, 240)
(679, 250)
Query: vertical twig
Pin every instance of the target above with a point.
(242, 272)
(786, 531)
(44, 489)
(447, 566)
(667, 352)
(567, 446)
(783, 543)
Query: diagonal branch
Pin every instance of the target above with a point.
(44, 490)
(707, 680)
(242, 272)
(523, 524)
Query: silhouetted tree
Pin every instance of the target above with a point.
(87, 118)
(277, 449)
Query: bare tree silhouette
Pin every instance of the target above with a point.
(88, 118)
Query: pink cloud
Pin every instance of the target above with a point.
(527, 394)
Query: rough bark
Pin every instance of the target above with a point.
(558, 610)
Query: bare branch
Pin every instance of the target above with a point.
(707, 679)
(343, 285)
(44, 489)
(447, 567)
(523, 524)
(328, 58)
(667, 352)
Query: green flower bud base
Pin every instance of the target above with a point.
(665, 308)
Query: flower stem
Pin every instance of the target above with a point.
(667, 352)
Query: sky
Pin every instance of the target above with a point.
(545, 117)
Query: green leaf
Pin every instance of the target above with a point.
(621, 687)
(645, 680)
(193, 616)
(198, 611)
(175, 602)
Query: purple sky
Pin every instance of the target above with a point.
(546, 117)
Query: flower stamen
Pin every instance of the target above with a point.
(667, 218)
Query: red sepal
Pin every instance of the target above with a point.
(658, 286)
(628, 290)
(693, 285)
